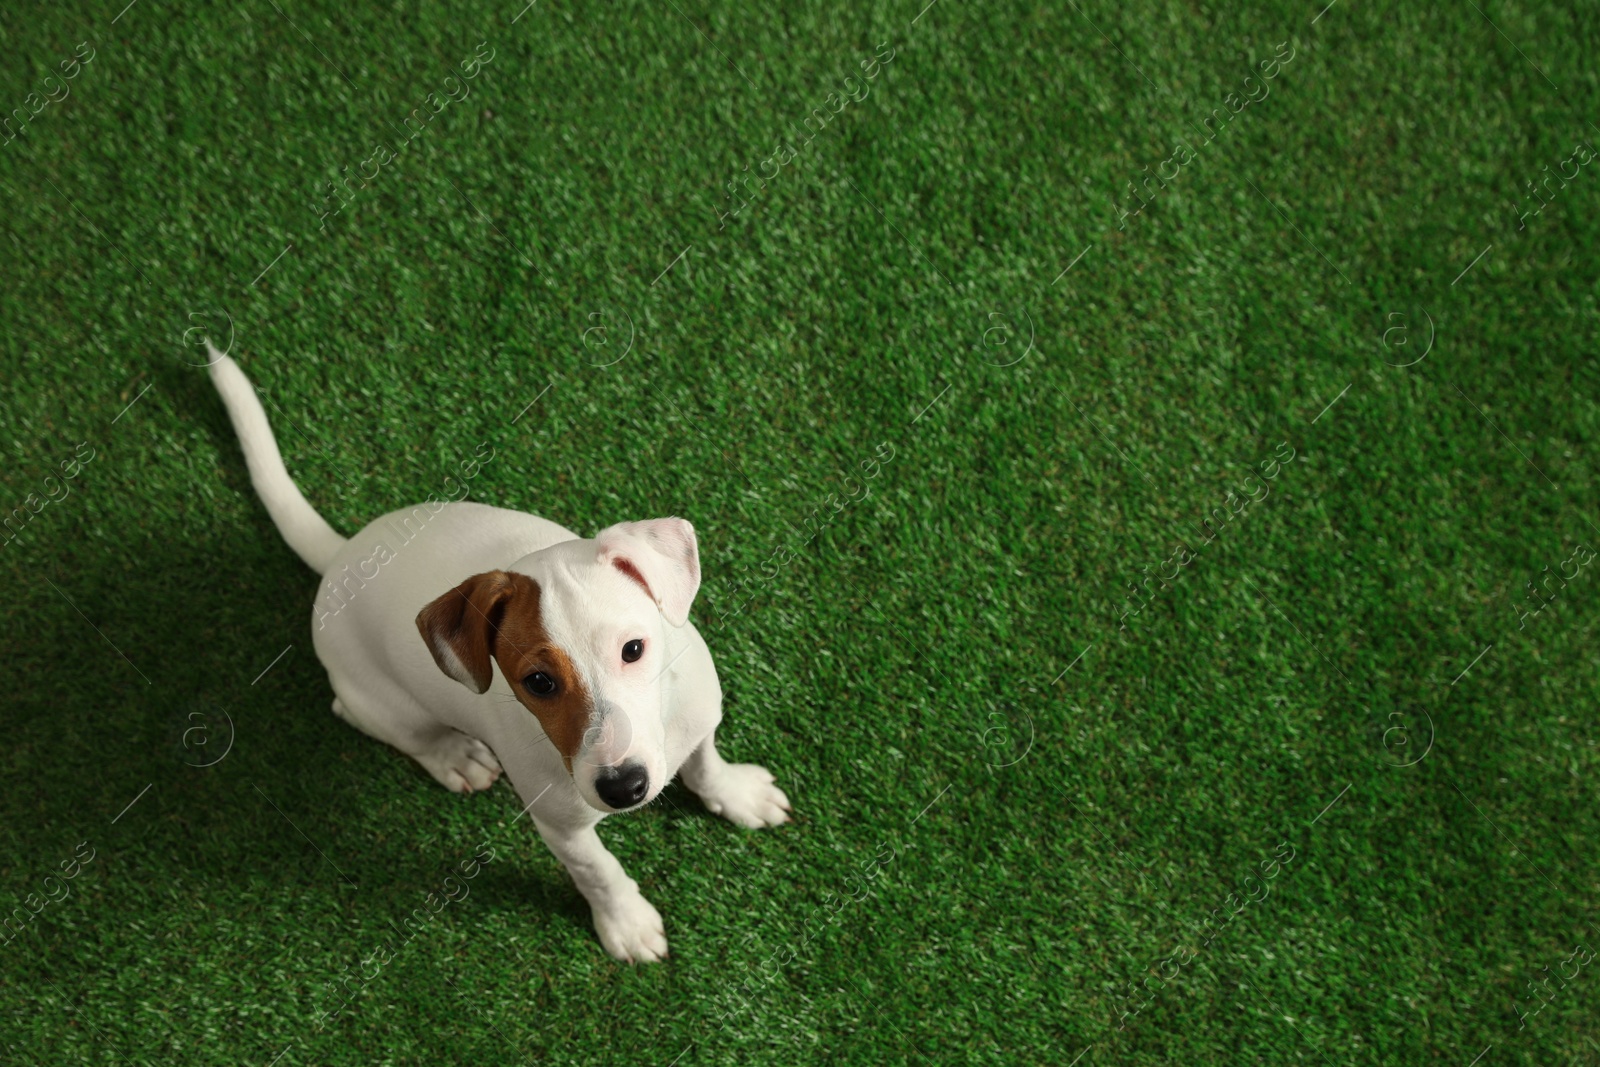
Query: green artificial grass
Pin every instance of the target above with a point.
(1078, 777)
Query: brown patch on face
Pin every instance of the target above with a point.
(497, 615)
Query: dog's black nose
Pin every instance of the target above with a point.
(623, 787)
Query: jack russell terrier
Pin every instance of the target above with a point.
(605, 690)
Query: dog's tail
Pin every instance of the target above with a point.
(307, 532)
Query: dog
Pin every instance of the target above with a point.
(604, 691)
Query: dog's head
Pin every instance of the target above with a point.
(579, 631)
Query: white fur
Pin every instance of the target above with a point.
(661, 711)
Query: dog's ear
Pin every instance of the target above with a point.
(662, 555)
(460, 627)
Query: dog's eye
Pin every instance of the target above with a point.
(632, 650)
(540, 684)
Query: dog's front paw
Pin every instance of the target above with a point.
(630, 929)
(745, 794)
(462, 764)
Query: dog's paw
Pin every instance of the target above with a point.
(630, 929)
(745, 794)
(462, 764)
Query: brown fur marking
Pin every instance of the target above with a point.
(497, 615)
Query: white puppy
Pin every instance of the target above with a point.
(605, 689)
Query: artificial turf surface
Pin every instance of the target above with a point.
(1321, 790)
